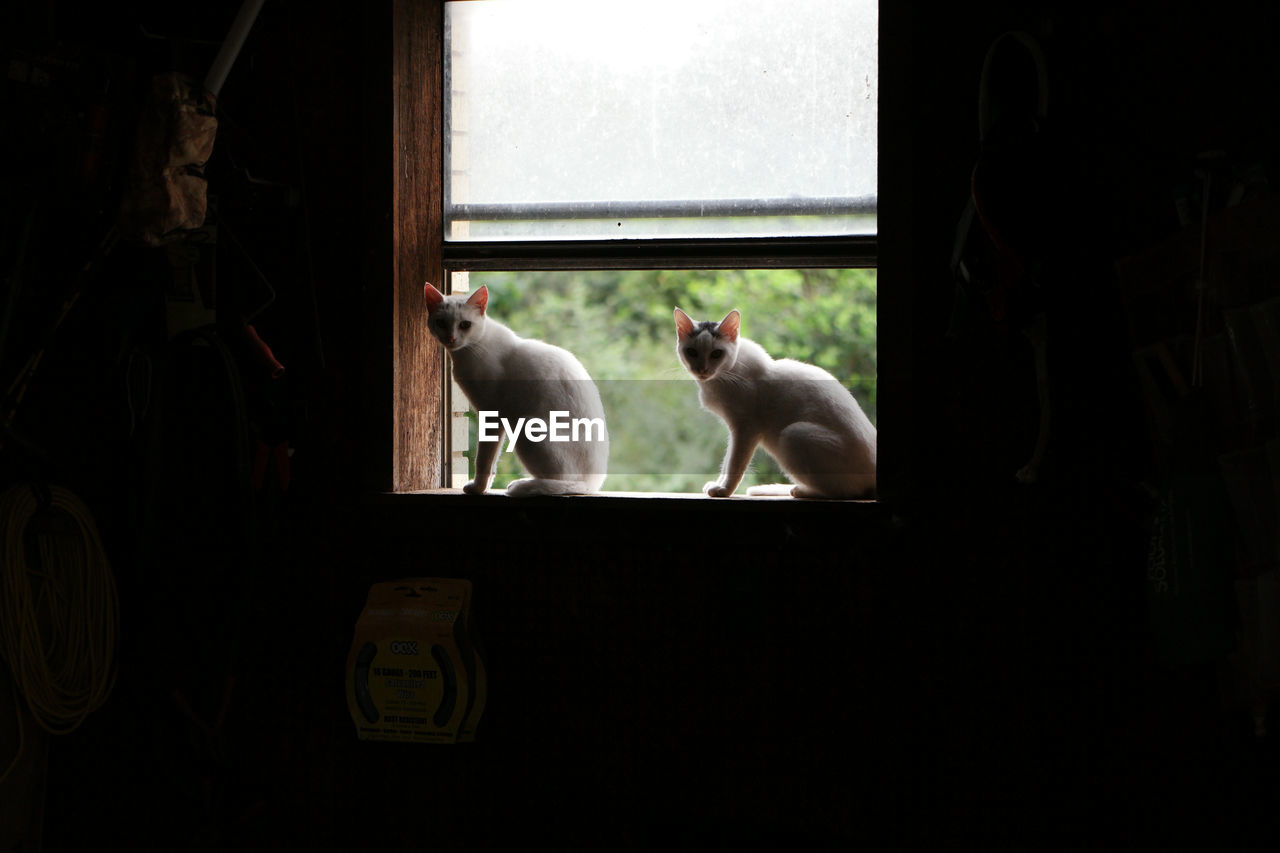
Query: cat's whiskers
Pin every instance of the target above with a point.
(731, 376)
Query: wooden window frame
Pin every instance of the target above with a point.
(417, 226)
(419, 253)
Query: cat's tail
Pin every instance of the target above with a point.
(530, 486)
(864, 489)
(771, 490)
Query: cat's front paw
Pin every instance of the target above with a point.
(715, 490)
(474, 487)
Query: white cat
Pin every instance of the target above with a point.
(521, 378)
(803, 416)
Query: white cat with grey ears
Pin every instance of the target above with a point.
(800, 413)
(516, 378)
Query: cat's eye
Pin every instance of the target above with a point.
(717, 353)
(464, 325)
(442, 323)
(691, 352)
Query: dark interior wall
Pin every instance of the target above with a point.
(1047, 625)
(973, 664)
(1050, 656)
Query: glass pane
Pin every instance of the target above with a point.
(588, 119)
(619, 324)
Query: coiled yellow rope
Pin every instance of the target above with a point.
(57, 617)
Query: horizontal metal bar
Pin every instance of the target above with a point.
(656, 209)
(683, 253)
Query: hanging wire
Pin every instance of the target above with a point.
(58, 613)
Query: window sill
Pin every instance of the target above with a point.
(634, 519)
(682, 498)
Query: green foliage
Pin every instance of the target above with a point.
(619, 324)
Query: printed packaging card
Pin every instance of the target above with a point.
(412, 672)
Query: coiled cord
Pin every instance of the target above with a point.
(58, 617)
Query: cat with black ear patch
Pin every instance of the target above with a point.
(519, 380)
(800, 413)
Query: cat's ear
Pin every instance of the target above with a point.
(434, 297)
(729, 325)
(684, 325)
(479, 299)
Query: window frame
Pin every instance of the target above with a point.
(420, 252)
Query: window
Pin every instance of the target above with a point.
(619, 323)
(591, 152)
(580, 119)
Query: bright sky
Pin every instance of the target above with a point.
(573, 100)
